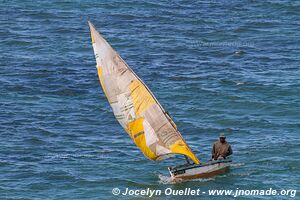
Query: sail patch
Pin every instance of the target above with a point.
(135, 128)
(141, 98)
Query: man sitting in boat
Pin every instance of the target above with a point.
(221, 149)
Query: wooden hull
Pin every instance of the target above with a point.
(207, 170)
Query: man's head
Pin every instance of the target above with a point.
(222, 138)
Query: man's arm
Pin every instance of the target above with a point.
(213, 151)
(229, 151)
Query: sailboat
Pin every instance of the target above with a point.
(143, 118)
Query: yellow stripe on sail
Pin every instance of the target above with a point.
(93, 39)
(180, 147)
(141, 98)
(136, 131)
(99, 70)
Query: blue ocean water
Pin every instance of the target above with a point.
(216, 66)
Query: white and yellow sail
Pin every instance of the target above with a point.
(135, 107)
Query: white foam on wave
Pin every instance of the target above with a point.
(164, 179)
(235, 165)
(168, 180)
